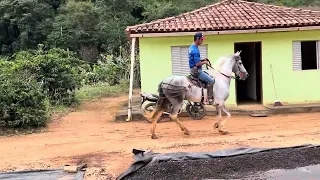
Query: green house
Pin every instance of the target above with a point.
(280, 49)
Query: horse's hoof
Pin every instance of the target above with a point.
(216, 125)
(186, 133)
(154, 136)
(223, 132)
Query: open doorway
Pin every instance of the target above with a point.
(250, 90)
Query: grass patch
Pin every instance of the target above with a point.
(59, 109)
(87, 93)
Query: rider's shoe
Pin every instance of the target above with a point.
(210, 102)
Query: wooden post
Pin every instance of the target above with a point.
(133, 43)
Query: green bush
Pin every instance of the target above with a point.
(57, 70)
(110, 73)
(98, 74)
(111, 69)
(22, 101)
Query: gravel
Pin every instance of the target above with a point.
(229, 167)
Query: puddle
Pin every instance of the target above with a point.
(307, 172)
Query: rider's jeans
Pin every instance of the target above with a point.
(205, 77)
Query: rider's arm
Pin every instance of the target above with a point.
(200, 63)
(195, 61)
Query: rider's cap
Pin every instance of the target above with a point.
(198, 35)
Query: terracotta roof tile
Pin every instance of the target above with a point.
(232, 15)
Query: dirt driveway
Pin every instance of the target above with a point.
(89, 136)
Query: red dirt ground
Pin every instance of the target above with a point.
(89, 136)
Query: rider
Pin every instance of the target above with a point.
(195, 64)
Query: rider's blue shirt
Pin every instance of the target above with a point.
(194, 56)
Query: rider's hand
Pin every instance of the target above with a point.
(205, 61)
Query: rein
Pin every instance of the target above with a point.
(230, 77)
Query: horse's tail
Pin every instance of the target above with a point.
(161, 103)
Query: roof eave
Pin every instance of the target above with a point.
(247, 31)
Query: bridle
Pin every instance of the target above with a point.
(239, 69)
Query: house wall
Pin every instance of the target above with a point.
(291, 86)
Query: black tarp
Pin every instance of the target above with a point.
(143, 158)
(42, 175)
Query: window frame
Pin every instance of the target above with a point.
(180, 58)
(297, 55)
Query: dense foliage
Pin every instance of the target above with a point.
(51, 48)
(56, 70)
(22, 101)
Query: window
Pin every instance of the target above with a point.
(180, 58)
(306, 55)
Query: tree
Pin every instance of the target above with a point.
(76, 27)
(115, 15)
(31, 19)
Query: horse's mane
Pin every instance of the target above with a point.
(218, 63)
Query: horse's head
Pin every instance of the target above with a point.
(238, 68)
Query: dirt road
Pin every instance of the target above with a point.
(89, 136)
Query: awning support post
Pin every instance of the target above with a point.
(133, 43)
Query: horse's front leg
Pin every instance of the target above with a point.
(223, 122)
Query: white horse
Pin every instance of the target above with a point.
(175, 89)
